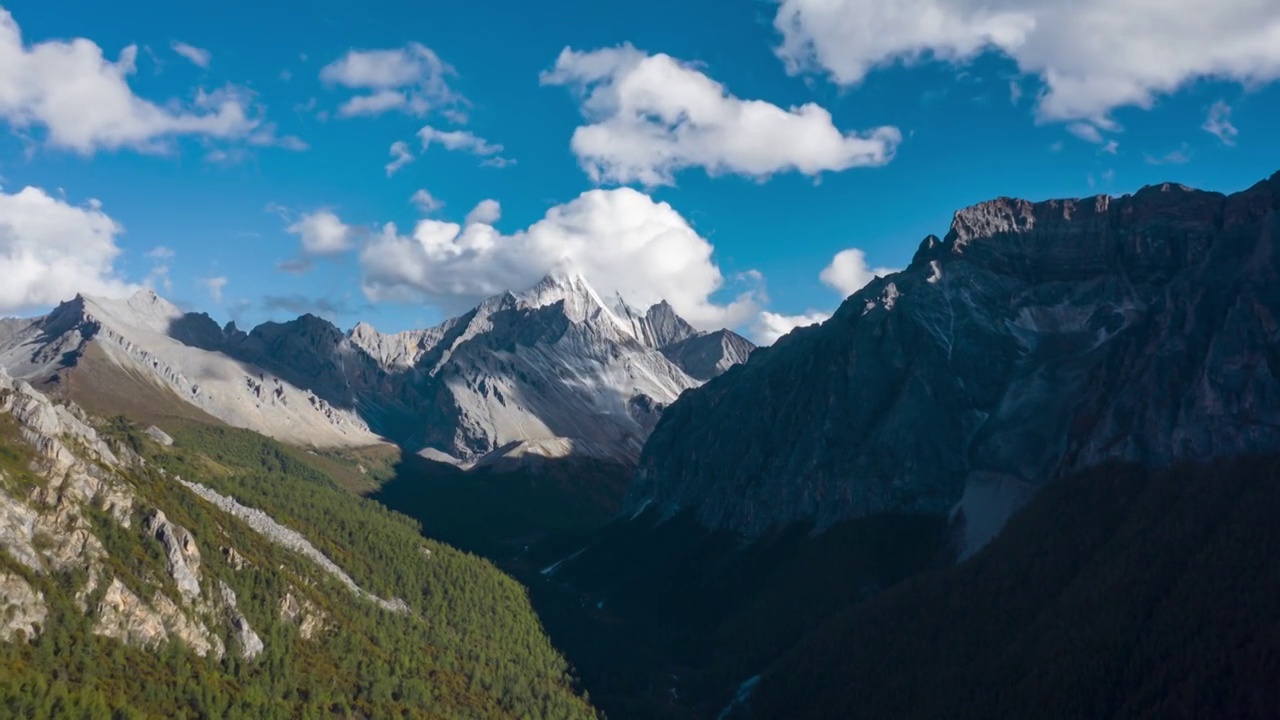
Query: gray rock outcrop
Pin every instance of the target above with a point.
(181, 552)
(250, 644)
(22, 609)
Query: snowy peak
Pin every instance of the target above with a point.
(552, 369)
(582, 304)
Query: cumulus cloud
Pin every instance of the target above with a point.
(486, 212)
(1178, 156)
(50, 250)
(1219, 124)
(83, 102)
(769, 327)
(1092, 56)
(322, 233)
(652, 116)
(215, 286)
(400, 156)
(848, 272)
(373, 104)
(411, 79)
(621, 240)
(161, 259)
(463, 141)
(1087, 132)
(197, 56)
(425, 202)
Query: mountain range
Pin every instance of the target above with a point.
(553, 371)
(1032, 474)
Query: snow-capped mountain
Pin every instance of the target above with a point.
(555, 370)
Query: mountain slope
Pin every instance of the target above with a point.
(151, 339)
(248, 586)
(553, 371)
(1035, 340)
(1120, 593)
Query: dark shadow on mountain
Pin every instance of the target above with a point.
(1121, 592)
(499, 513)
(664, 619)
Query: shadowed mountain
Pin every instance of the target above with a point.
(1033, 341)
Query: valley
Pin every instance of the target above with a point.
(1030, 474)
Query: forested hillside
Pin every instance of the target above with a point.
(1121, 593)
(469, 645)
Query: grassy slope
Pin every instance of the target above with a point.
(1119, 594)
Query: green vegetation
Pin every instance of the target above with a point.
(471, 647)
(1122, 593)
(498, 514)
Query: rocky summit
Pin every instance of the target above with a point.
(554, 370)
(1034, 340)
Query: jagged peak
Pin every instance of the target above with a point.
(581, 301)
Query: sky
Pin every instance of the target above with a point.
(753, 162)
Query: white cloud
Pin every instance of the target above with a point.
(198, 56)
(1092, 55)
(769, 327)
(161, 259)
(652, 116)
(486, 212)
(1179, 156)
(463, 141)
(373, 104)
(51, 250)
(621, 240)
(322, 233)
(84, 103)
(400, 156)
(848, 272)
(1219, 124)
(411, 79)
(1086, 131)
(215, 286)
(425, 202)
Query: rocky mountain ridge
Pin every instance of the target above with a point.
(1034, 340)
(553, 370)
(47, 527)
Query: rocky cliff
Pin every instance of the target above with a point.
(1033, 340)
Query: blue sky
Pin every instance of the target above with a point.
(242, 139)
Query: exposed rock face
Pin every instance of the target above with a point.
(181, 551)
(159, 436)
(124, 616)
(290, 539)
(22, 609)
(250, 644)
(707, 356)
(1035, 340)
(554, 363)
(303, 613)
